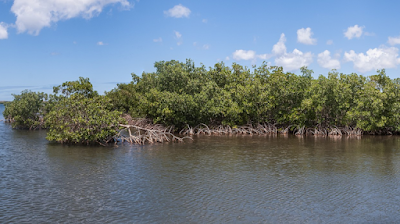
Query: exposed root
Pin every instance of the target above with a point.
(352, 131)
(267, 128)
(285, 131)
(206, 129)
(142, 135)
(141, 131)
(335, 132)
(187, 131)
(300, 131)
(320, 131)
(260, 129)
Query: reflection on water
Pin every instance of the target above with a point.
(281, 179)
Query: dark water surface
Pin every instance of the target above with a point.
(209, 180)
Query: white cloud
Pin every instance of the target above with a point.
(3, 31)
(206, 46)
(244, 55)
(227, 58)
(394, 40)
(100, 43)
(325, 60)
(290, 61)
(263, 56)
(33, 15)
(158, 39)
(329, 42)
(195, 44)
(204, 20)
(280, 48)
(304, 36)
(353, 31)
(377, 58)
(177, 34)
(294, 60)
(179, 37)
(248, 55)
(178, 11)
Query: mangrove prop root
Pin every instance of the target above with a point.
(285, 131)
(335, 131)
(203, 129)
(300, 131)
(264, 129)
(142, 135)
(352, 131)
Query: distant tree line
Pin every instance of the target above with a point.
(181, 94)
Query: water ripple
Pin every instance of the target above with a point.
(210, 180)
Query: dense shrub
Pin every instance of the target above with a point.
(78, 114)
(75, 113)
(80, 119)
(26, 111)
(180, 93)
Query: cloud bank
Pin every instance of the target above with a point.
(373, 59)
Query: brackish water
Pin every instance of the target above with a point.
(208, 180)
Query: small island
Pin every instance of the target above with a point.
(182, 99)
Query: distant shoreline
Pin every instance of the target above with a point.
(2, 102)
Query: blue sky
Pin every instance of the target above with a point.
(46, 42)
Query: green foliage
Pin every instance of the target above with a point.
(81, 119)
(377, 106)
(125, 98)
(75, 113)
(80, 115)
(26, 110)
(81, 86)
(180, 93)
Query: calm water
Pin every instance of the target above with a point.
(209, 180)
